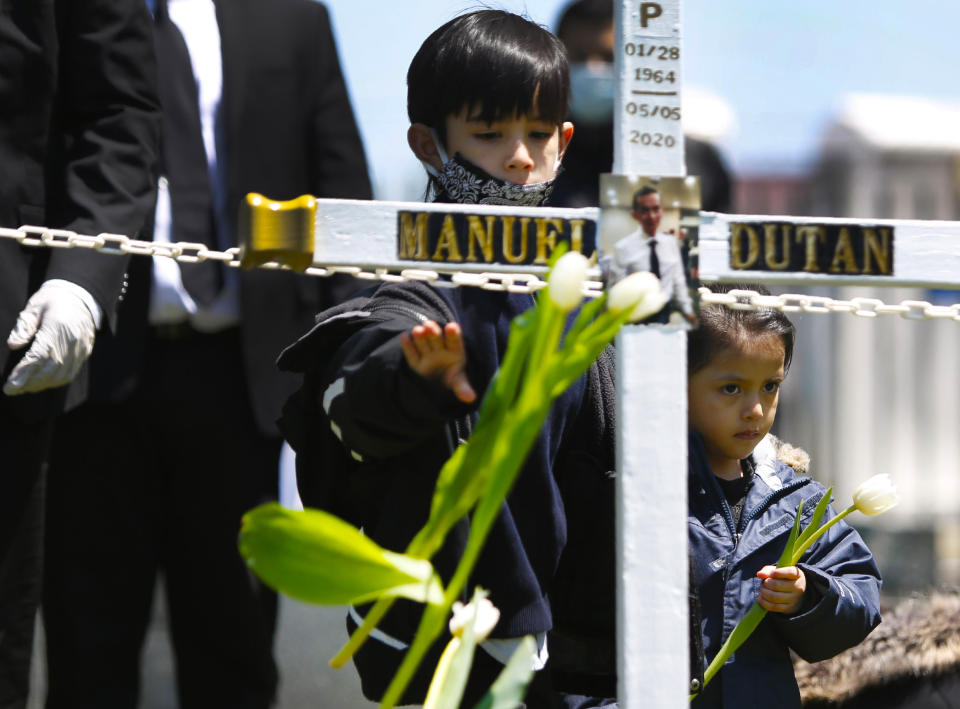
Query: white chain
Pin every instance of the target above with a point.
(864, 307)
(187, 252)
(511, 282)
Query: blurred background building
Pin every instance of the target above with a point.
(880, 395)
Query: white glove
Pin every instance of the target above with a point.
(61, 320)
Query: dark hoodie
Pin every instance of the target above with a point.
(395, 430)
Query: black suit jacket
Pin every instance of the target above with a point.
(289, 130)
(79, 130)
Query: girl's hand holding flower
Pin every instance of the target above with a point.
(873, 497)
(782, 589)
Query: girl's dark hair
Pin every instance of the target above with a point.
(496, 61)
(722, 328)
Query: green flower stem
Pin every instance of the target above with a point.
(506, 382)
(533, 373)
(460, 483)
(443, 669)
(359, 636)
(752, 619)
(798, 553)
(517, 432)
(508, 461)
(431, 625)
(587, 347)
(586, 317)
(462, 475)
(740, 633)
(462, 479)
(547, 332)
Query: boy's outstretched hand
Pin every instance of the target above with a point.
(436, 353)
(782, 589)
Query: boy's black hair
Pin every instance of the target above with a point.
(495, 61)
(722, 328)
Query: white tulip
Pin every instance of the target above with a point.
(484, 616)
(876, 495)
(565, 282)
(640, 291)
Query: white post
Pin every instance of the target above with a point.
(652, 647)
(651, 519)
(648, 132)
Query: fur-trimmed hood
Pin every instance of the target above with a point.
(919, 641)
(796, 458)
(772, 450)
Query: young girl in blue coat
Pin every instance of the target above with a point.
(745, 489)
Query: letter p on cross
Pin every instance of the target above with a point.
(649, 11)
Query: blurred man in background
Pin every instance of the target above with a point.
(253, 101)
(79, 125)
(586, 29)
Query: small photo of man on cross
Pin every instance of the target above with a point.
(650, 224)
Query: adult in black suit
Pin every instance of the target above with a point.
(79, 125)
(191, 402)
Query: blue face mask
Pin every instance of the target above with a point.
(591, 92)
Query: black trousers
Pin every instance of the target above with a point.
(159, 484)
(23, 454)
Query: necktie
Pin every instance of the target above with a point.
(654, 260)
(184, 158)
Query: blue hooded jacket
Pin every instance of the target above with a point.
(843, 583)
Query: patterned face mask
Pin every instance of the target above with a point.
(465, 183)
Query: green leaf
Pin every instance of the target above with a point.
(460, 483)
(464, 476)
(319, 558)
(816, 519)
(453, 496)
(587, 315)
(505, 383)
(432, 623)
(787, 554)
(535, 369)
(800, 549)
(453, 670)
(737, 637)
(509, 688)
(578, 354)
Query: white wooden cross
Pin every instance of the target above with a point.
(652, 653)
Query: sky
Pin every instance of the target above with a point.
(782, 67)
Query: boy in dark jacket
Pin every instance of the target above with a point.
(396, 375)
